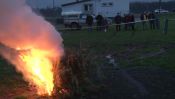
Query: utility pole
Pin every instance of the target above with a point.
(53, 4)
(160, 5)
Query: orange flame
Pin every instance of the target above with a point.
(38, 70)
(37, 42)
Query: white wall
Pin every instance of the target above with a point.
(122, 6)
(119, 6)
(76, 7)
(47, 3)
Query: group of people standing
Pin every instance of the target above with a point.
(128, 21)
(102, 23)
(151, 18)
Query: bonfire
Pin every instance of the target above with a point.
(31, 44)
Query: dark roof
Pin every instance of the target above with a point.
(76, 2)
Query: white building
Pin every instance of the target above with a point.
(47, 3)
(107, 8)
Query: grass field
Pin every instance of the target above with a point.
(141, 48)
(130, 48)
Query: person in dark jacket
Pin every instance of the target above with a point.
(143, 18)
(132, 20)
(151, 18)
(126, 20)
(89, 22)
(105, 24)
(118, 21)
(99, 19)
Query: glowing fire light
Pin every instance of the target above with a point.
(31, 44)
(38, 70)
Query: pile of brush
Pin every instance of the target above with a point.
(75, 83)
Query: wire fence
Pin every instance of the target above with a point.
(109, 25)
(166, 25)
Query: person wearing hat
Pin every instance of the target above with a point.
(118, 20)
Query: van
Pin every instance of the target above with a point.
(74, 19)
(161, 11)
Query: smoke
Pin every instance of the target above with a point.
(22, 29)
(18, 24)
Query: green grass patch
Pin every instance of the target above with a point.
(128, 46)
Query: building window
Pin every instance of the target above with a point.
(88, 7)
(107, 4)
(110, 4)
(104, 4)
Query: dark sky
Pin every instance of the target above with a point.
(48, 3)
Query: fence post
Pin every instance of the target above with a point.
(165, 31)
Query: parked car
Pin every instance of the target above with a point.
(109, 21)
(76, 19)
(161, 11)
